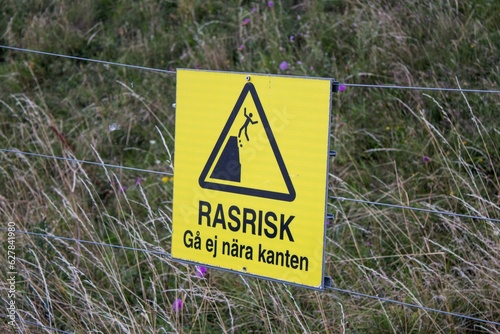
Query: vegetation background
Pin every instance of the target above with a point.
(428, 149)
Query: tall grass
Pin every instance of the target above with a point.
(430, 150)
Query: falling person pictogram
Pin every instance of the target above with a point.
(225, 167)
(245, 125)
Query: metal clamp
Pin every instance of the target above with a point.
(335, 86)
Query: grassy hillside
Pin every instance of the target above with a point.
(427, 149)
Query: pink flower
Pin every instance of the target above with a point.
(177, 305)
(283, 66)
(201, 271)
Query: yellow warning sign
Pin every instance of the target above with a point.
(251, 158)
(224, 164)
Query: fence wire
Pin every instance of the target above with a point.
(104, 62)
(32, 154)
(394, 206)
(354, 293)
(153, 69)
(404, 207)
(442, 89)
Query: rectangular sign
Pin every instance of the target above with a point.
(251, 164)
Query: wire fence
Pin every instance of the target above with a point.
(159, 70)
(412, 208)
(104, 62)
(162, 253)
(32, 154)
(339, 198)
(441, 89)
(354, 293)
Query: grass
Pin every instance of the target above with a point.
(435, 150)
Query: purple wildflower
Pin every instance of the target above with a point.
(270, 4)
(425, 159)
(201, 271)
(123, 189)
(342, 88)
(245, 21)
(283, 66)
(241, 47)
(299, 62)
(177, 305)
(292, 38)
(138, 181)
(254, 9)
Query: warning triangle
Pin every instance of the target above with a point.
(226, 168)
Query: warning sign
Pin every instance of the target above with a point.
(225, 161)
(251, 158)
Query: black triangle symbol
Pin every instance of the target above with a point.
(228, 166)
